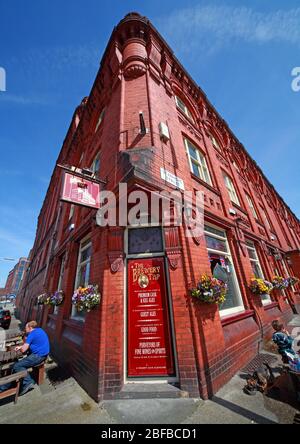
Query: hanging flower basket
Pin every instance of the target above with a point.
(42, 299)
(280, 283)
(57, 298)
(86, 298)
(210, 290)
(260, 286)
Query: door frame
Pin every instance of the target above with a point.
(152, 379)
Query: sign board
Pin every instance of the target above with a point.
(171, 178)
(79, 191)
(149, 338)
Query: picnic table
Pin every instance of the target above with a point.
(8, 357)
(14, 336)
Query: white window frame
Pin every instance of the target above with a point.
(266, 219)
(93, 166)
(84, 244)
(238, 308)
(214, 142)
(182, 106)
(100, 119)
(200, 162)
(251, 206)
(231, 189)
(251, 246)
(71, 213)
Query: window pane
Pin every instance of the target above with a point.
(206, 175)
(86, 254)
(215, 244)
(192, 151)
(196, 169)
(214, 231)
(180, 104)
(145, 240)
(83, 275)
(96, 165)
(221, 268)
(256, 270)
(252, 254)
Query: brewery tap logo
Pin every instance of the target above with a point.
(143, 275)
(143, 281)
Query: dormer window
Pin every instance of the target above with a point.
(182, 106)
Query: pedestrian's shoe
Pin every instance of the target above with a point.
(26, 389)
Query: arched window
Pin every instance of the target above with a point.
(182, 106)
(215, 142)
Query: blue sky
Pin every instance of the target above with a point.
(241, 53)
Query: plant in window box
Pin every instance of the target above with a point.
(86, 298)
(260, 286)
(57, 298)
(42, 299)
(293, 280)
(280, 283)
(210, 290)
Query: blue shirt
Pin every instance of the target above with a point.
(38, 342)
(283, 341)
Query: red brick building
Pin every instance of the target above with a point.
(117, 131)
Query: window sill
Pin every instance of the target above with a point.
(239, 208)
(205, 184)
(182, 113)
(235, 317)
(271, 305)
(260, 224)
(74, 324)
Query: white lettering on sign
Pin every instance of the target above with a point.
(171, 178)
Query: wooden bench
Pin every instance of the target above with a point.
(15, 377)
(38, 373)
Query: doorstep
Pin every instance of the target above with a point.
(150, 391)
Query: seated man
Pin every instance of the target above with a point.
(37, 343)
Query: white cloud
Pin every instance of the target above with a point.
(30, 99)
(212, 27)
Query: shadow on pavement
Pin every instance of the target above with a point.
(242, 411)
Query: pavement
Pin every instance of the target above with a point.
(60, 400)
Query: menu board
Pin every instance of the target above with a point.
(149, 339)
